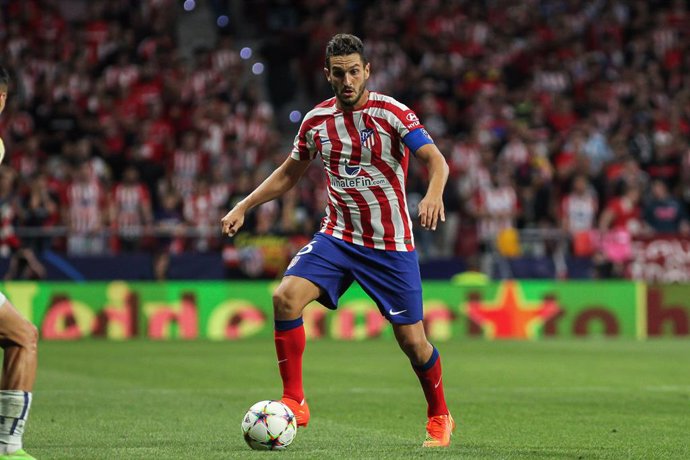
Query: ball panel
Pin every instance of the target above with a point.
(288, 435)
(277, 407)
(275, 425)
(259, 432)
(248, 421)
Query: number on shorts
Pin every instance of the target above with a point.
(307, 248)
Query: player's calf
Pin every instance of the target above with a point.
(417, 350)
(20, 344)
(21, 351)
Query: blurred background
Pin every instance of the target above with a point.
(133, 126)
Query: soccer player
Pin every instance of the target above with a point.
(18, 338)
(365, 140)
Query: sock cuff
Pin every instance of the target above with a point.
(14, 393)
(14, 403)
(282, 326)
(429, 364)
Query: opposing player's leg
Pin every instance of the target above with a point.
(426, 362)
(19, 339)
(289, 299)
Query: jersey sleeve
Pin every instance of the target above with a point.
(304, 148)
(410, 129)
(405, 120)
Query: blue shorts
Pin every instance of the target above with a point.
(390, 278)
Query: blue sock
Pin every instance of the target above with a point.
(286, 325)
(429, 364)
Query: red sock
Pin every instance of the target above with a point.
(290, 341)
(430, 377)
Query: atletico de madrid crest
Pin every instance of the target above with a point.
(367, 138)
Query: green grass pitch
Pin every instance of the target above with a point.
(513, 400)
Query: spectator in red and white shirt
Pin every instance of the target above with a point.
(9, 208)
(496, 206)
(579, 208)
(187, 164)
(84, 201)
(201, 215)
(130, 211)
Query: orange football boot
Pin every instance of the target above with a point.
(301, 410)
(439, 428)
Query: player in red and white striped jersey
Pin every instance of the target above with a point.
(366, 165)
(365, 140)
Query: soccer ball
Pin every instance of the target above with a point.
(269, 425)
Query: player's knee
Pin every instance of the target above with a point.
(26, 336)
(285, 303)
(30, 337)
(416, 348)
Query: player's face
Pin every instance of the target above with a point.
(348, 76)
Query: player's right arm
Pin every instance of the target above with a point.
(275, 185)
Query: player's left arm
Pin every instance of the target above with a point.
(431, 207)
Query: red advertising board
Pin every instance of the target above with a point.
(660, 259)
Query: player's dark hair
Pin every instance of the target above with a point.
(342, 45)
(4, 77)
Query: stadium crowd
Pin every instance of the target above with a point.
(553, 114)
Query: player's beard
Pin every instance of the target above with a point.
(351, 102)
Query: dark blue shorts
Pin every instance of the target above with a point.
(390, 278)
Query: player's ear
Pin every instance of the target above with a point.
(327, 73)
(367, 70)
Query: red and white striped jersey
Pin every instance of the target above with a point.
(130, 201)
(84, 203)
(496, 204)
(186, 167)
(366, 163)
(199, 210)
(8, 214)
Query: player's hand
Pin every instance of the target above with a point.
(430, 211)
(232, 221)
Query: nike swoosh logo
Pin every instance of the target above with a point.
(282, 360)
(439, 382)
(393, 312)
(325, 141)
